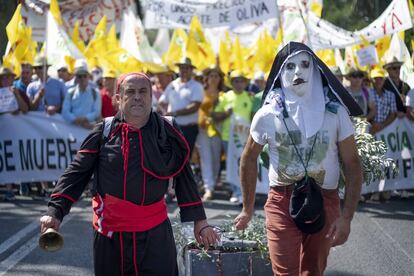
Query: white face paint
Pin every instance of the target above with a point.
(296, 73)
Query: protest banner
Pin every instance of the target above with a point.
(324, 35)
(399, 138)
(87, 12)
(367, 56)
(36, 147)
(8, 102)
(239, 131)
(178, 14)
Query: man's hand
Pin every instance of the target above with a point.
(49, 222)
(229, 112)
(376, 127)
(339, 231)
(205, 234)
(80, 121)
(242, 220)
(51, 109)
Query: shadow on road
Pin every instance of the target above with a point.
(401, 209)
(341, 273)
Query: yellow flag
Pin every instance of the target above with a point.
(382, 44)
(176, 50)
(402, 35)
(10, 61)
(54, 9)
(111, 40)
(30, 53)
(225, 53)
(316, 8)
(365, 42)
(97, 45)
(76, 38)
(327, 56)
(19, 35)
(198, 49)
(237, 56)
(15, 26)
(70, 61)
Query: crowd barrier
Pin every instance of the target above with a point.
(38, 147)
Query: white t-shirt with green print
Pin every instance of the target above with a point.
(285, 166)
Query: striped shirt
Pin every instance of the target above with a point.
(386, 104)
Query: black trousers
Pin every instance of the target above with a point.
(190, 133)
(154, 253)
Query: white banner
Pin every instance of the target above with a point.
(178, 14)
(36, 147)
(239, 131)
(399, 138)
(325, 35)
(394, 19)
(87, 12)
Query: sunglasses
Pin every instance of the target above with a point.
(394, 68)
(81, 76)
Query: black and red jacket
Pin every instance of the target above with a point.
(134, 165)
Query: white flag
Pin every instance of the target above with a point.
(58, 43)
(162, 41)
(134, 40)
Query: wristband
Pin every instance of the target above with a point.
(201, 230)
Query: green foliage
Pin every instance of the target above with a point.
(256, 231)
(372, 154)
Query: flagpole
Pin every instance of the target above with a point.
(280, 22)
(46, 37)
(305, 23)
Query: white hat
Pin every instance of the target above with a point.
(61, 65)
(81, 67)
(259, 75)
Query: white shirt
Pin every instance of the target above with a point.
(178, 95)
(409, 99)
(285, 167)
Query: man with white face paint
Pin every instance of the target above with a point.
(305, 121)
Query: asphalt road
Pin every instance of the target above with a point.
(381, 242)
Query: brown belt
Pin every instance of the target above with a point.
(287, 188)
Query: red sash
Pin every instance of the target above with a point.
(117, 215)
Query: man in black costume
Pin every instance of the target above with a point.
(133, 165)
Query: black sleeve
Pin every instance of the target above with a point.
(76, 176)
(189, 201)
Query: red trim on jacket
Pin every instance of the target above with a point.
(88, 151)
(190, 204)
(65, 196)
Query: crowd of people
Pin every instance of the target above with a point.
(202, 105)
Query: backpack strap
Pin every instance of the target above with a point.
(169, 119)
(107, 126)
(171, 186)
(106, 130)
